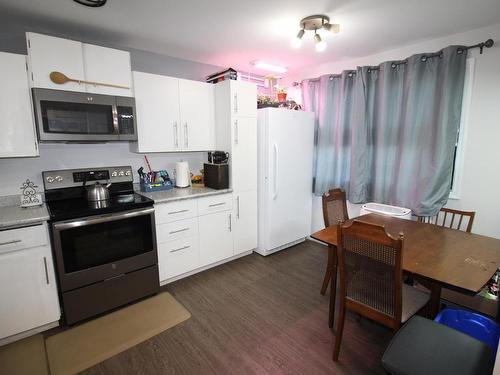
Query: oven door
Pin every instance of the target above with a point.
(98, 248)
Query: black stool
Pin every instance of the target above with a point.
(422, 346)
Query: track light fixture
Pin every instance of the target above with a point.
(315, 22)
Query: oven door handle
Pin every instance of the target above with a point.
(100, 219)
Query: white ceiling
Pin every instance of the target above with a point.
(233, 33)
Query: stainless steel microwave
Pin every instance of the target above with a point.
(67, 116)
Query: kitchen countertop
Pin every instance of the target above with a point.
(16, 216)
(177, 194)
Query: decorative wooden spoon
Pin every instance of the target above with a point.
(60, 79)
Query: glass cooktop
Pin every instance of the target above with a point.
(80, 207)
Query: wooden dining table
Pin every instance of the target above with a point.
(437, 256)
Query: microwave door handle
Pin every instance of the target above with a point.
(114, 111)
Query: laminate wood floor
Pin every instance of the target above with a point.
(256, 315)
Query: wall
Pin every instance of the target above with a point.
(66, 156)
(61, 156)
(13, 39)
(481, 166)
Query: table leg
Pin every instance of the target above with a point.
(333, 284)
(435, 302)
(498, 311)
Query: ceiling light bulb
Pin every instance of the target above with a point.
(320, 44)
(332, 27)
(297, 41)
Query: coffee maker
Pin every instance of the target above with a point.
(216, 171)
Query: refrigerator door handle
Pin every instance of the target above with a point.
(275, 181)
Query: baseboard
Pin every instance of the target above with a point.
(197, 270)
(315, 240)
(279, 248)
(30, 332)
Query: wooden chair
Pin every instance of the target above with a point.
(334, 210)
(370, 269)
(449, 218)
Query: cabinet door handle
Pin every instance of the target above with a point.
(236, 102)
(178, 231)
(177, 212)
(216, 204)
(230, 224)
(10, 242)
(186, 138)
(236, 132)
(238, 207)
(176, 135)
(275, 180)
(46, 270)
(180, 248)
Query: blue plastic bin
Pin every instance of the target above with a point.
(472, 324)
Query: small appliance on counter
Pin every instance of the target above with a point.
(218, 157)
(182, 174)
(216, 171)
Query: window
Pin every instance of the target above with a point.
(458, 162)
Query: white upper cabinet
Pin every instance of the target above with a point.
(18, 137)
(173, 114)
(78, 61)
(48, 54)
(243, 98)
(107, 65)
(197, 114)
(157, 107)
(244, 153)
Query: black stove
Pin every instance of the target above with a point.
(66, 195)
(105, 251)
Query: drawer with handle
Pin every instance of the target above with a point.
(176, 230)
(23, 238)
(216, 203)
(173, 211)
(177, 257)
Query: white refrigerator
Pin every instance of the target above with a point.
(285, 146)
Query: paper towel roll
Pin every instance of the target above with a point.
(182, 174)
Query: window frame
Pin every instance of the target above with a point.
(458, 166)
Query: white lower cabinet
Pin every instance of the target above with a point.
(28, 289)
(216, 237)
(195, 233)
(178, 257)
(245, 221)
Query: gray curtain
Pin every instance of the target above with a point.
(387, 134)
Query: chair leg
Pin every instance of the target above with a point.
(340, 329)
(333, 294)
(328, 273)
(326, 280)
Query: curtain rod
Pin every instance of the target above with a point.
(486, 44)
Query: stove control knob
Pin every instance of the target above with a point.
(59, 178)
(121, 173)
(128, 173)
(50, 179)
(114, 174)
